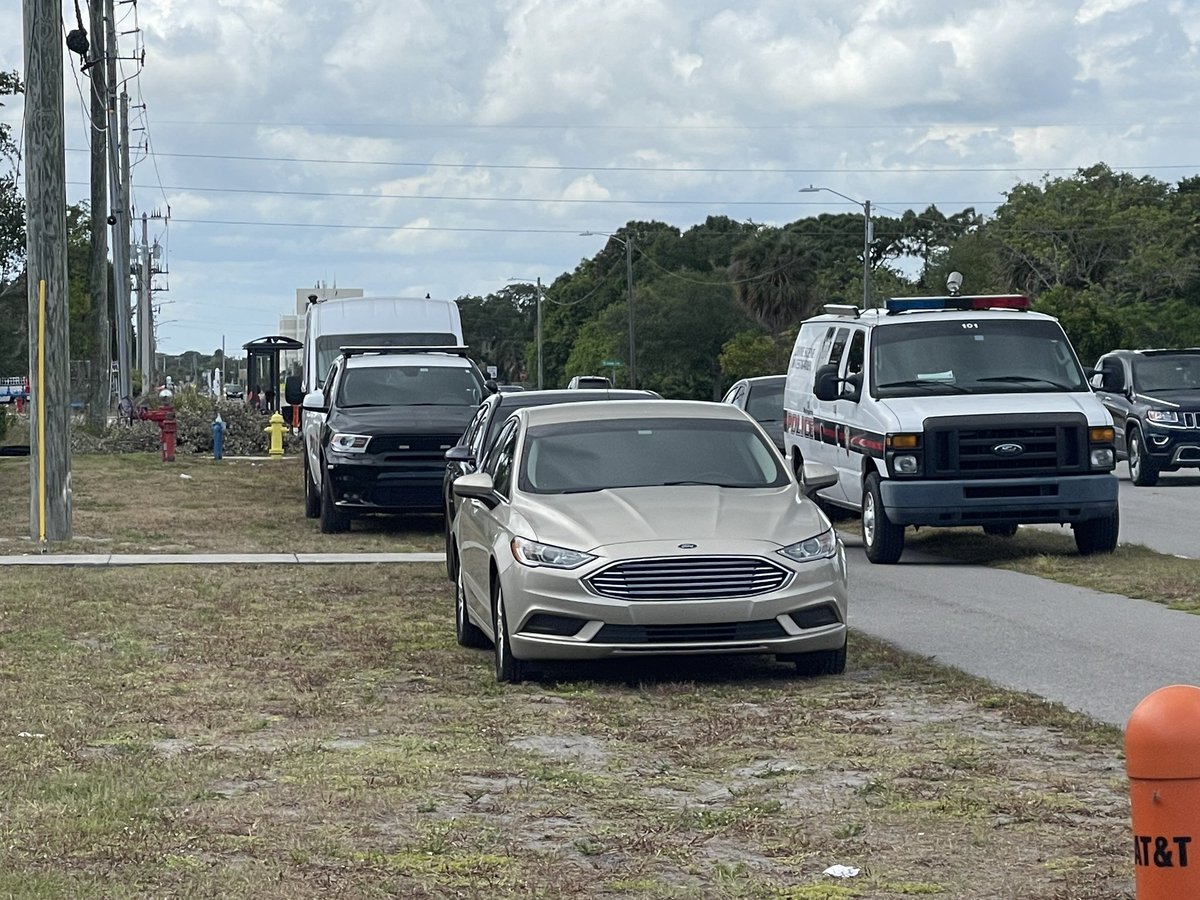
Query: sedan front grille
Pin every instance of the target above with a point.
(689, 578)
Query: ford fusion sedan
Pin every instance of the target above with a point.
(642, 528)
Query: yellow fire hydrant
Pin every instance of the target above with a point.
(276, 430)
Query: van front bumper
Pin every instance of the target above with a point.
(1068, 499)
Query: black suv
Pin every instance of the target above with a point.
(466, 456)
(391, 415)
(1154, 399)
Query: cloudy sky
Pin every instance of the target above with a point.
(446, 146)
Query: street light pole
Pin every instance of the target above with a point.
(627, 243)
(867, 237)
(539, 331)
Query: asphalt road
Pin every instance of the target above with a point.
(1099, 654)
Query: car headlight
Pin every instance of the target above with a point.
(819, 547)
(1166, 416)
(533, 554)
(342, 442)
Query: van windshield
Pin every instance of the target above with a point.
(329, 346)
(977, 356)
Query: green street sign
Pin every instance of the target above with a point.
(612, 362)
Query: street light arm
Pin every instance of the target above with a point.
(812, 189)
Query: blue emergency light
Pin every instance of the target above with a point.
(959, 302)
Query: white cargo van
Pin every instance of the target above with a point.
(333, 324)
(948, 411)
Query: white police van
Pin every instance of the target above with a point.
(948, 411)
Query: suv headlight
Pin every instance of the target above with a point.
(531, 553)
(343, 442)
(1166, 416)
(819, 547)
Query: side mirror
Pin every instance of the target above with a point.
(460, 453)
(477, 486)
(852, 387)
(293, 390)
(825, 383)
(492, 386)
(314, 401)
(817, 477)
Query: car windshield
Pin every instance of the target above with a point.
(413, 385)
(766, 402)
(973, 356)
(1166, 372)
(329, 346)
(578, 457)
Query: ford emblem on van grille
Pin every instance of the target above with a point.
(1008, 449)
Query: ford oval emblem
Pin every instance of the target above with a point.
(687, 546)
(1008, 449)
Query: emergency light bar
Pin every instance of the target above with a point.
(960, 302)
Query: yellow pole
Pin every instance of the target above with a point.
(41, 392)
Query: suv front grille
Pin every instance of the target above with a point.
(413, 446)
(969, 447)
(689, 578)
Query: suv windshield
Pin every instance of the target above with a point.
(413, 385)
(976, 356)
(330, 346)
(578, 457)
(1167, 372)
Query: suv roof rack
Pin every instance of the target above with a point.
(360, 351)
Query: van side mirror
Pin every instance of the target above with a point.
(825, 383)
(314, 401)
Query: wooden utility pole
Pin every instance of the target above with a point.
(46, 268)
(119, 190)
(98, 270)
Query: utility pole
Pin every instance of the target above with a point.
(145, 315)
(101, 387)
(539, 331)
(46, 272)
(119, 217)
(632, 339)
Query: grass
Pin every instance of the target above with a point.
(295, 732)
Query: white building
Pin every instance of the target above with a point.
(292, 326)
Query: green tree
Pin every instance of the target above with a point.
(749, 354)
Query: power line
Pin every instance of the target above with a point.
(913, 170)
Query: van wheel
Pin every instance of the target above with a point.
(1143, 471)
(1097, 535)
(312, 497)
(883, 540)
(333, 520)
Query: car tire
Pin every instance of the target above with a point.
(509, 669)
(1001, 530)
(312, 496)
(1097, 535)
(333, 520)
(451, 556)
(883, 540)
(821, 662)
(466, 632)
(1143, 471)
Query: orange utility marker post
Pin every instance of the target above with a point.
(1162, 759)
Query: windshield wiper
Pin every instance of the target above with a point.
(1027, 379)
(924, 383)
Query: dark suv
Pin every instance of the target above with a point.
(1154, 399)
(391, 415)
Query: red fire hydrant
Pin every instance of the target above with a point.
(165, 417)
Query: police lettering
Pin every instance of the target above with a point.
(1161, 852)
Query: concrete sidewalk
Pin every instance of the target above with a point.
(240, 559)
